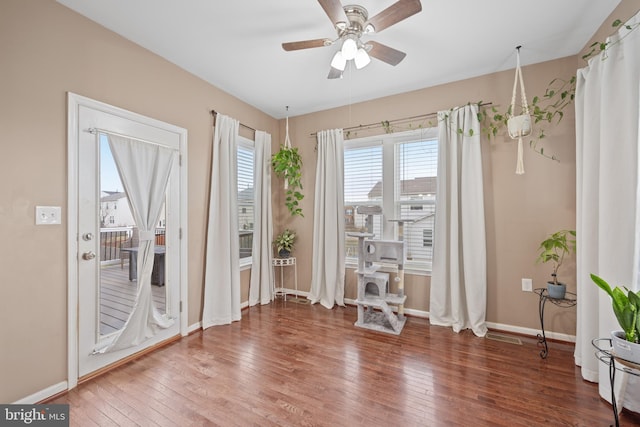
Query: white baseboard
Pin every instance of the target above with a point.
(495, 326)
(43, 394)
(194, 327)
(301, 294)
(532, 332)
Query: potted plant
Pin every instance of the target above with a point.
(284, 243)
(287, 164)
(626, 307)
(553, 249)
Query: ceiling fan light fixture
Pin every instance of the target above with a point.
(362, 59)
(339, 62)
(349, 48)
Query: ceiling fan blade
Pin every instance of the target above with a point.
(334, 10)
(395, 13)
(334, 73)
(385, 53)
(306, 44)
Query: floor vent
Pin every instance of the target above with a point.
(503, 338)
(298, 300)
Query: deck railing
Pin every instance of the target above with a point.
(112, 239)
(246, 243)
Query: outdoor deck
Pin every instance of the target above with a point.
(117, 295)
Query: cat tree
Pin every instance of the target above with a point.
(374, 300)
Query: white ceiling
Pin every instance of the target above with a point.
(236, 45)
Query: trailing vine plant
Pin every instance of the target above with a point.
(546, 109)
(549, 108)
(287, 164)
(598, 47)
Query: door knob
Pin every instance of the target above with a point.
(88, 255)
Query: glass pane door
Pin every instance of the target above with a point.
(118, 250)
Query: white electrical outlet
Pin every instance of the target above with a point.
(527, 285)
(48, 215)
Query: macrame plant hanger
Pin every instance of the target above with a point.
(287, 145)
(519, 126)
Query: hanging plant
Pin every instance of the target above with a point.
(549, 108)
(287, 164)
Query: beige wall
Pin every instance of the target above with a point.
(48, 50)
(520, 210)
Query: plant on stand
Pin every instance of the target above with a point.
(284, 243)
(554, 249)
(626, 307)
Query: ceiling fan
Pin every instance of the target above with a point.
(352, 22)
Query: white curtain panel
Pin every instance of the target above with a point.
(222, 261)
(327, 270)
(144, 171)
(459, 279)
(261, 286)
(607, 223)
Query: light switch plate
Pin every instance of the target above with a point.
(527, 285)
(48, 215)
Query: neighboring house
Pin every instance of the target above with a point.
(416, 201)
(245, 221)
(115, 210)
(245, 209)
(409, 188)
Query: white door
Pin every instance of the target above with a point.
(105, 237)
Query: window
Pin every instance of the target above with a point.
(245, 157)
(362, 188)
(396, 174)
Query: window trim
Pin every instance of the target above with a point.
(389, 142)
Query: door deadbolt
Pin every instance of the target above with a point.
(87, 236)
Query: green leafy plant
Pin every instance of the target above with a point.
(598, 47)
(548, 108)
(285, 241)
(625, 306)
(555, 247)
(287, 164)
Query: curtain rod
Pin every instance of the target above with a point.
(94, 131)
(406, 119)
(214, 113)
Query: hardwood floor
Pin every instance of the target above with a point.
(288, 364)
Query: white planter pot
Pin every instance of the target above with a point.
(625, 349)
(519, 126)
